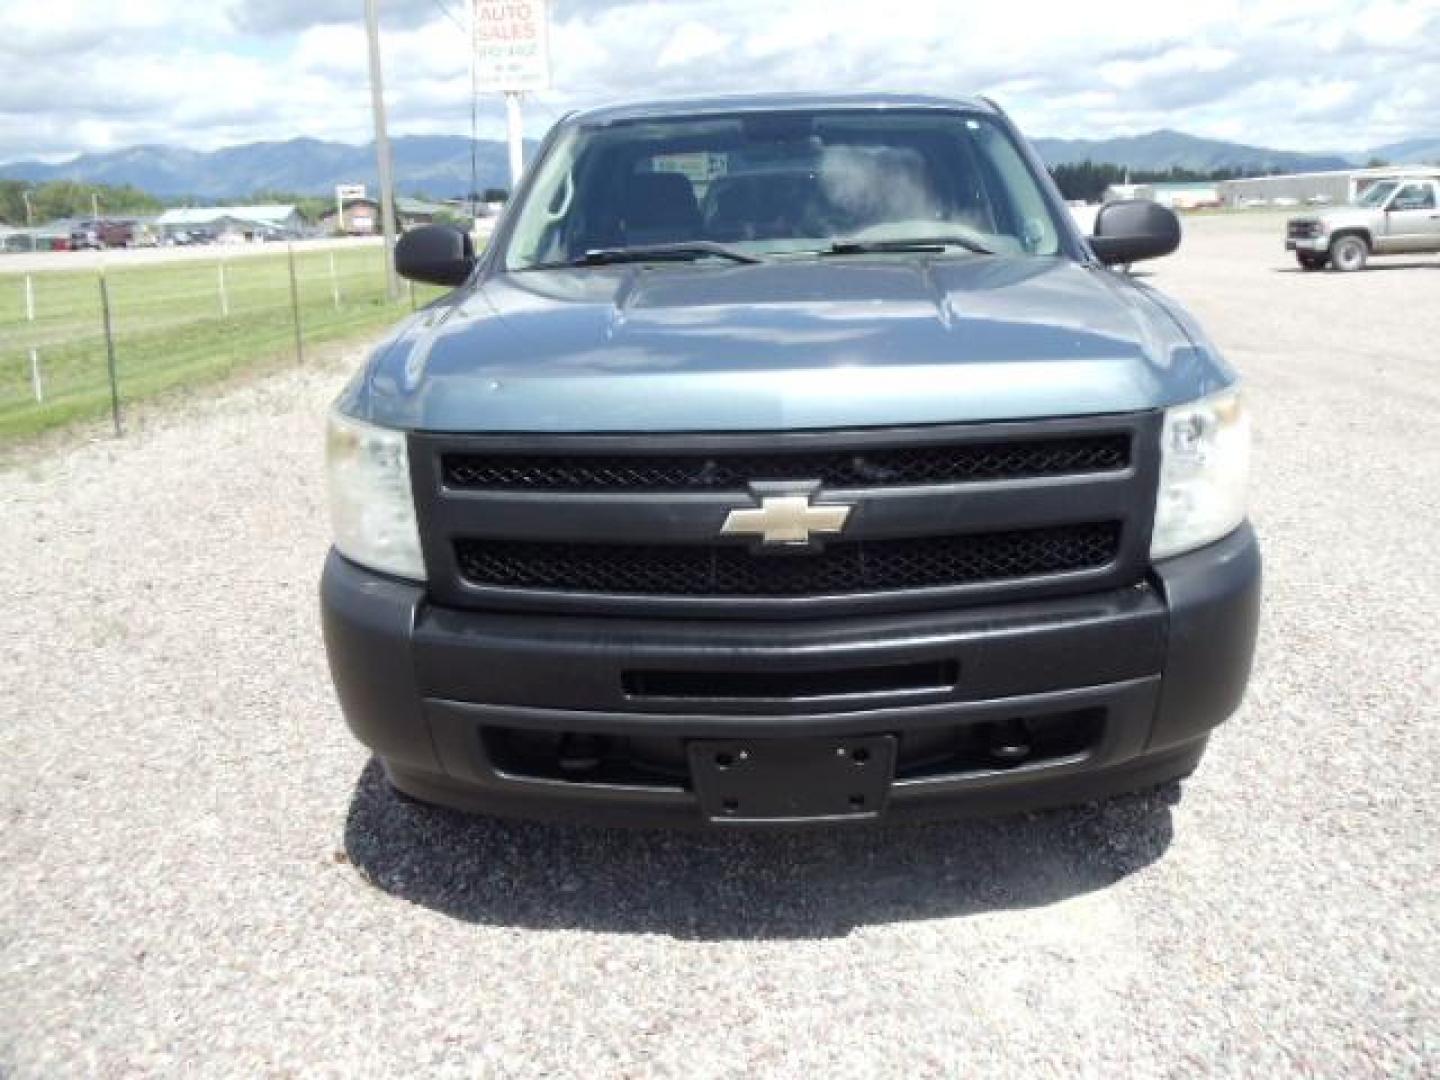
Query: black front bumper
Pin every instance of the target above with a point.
(1130, 681)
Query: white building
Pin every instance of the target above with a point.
(1317, 188)
(233, 223)
(1176, 195)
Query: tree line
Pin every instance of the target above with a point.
(73, 199)
(69, 198)
(1085, 180)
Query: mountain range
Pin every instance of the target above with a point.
(436, 165)
(439, 165)
(1161, 150)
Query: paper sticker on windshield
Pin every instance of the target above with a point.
(699, 167)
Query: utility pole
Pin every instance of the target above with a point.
(29, 210)
(382, 148)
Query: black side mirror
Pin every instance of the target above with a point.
(1133, 229)
(435, 254)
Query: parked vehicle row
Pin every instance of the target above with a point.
(104, 233)
(189, 238)
(98, 235)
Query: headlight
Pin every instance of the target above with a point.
(1204, 471)
(372, 511)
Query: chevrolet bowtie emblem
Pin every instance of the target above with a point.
(786, 519)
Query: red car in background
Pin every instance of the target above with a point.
(102, 234)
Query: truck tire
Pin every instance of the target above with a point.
(1348, 253)
(1308, 261)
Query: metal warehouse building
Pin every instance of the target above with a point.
(234, 222)
(1341, 186)
(1177, 196)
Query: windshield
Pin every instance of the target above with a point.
(783, 182)
(1377, 193)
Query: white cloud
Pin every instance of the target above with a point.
(691, 41)
(1302, 74)
(1183, 60)
(42, 29)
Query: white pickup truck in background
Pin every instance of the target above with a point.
(1398, 216)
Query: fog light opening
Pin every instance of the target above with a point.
(580, 753)
(1009, 742)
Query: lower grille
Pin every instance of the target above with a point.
(845, 568)
(661, 760)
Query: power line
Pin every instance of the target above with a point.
(440, 6)
(468, 31)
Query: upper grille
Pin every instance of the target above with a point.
(840, 569)
(1302, 229)
(880, 467)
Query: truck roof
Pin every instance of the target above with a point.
(738, 103)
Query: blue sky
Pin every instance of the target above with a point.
(1313, 75)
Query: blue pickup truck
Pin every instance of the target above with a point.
(784, 460)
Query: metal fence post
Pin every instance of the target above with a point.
(334, 283)
(109, 348)
(224, 293)
(36, 385)
(295, 302)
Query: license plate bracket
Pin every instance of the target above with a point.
(796, 780)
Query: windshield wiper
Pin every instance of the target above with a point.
(688, 251)
(909, 243)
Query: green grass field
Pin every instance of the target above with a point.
(169, 327)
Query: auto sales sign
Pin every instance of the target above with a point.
(512, 45)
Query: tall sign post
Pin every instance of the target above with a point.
(512, 55)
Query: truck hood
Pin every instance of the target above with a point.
(1337, 217)
(813, 343)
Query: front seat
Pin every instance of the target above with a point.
(766, 206)
(659, 208)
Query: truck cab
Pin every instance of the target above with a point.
(789, 460)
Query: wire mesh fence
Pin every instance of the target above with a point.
(174, 323)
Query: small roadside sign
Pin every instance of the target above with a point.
(512, 45)
(345, 193)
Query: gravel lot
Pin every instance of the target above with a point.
(201, 872)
